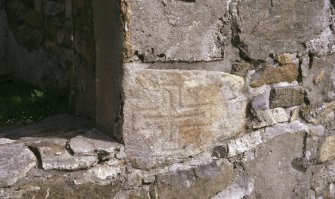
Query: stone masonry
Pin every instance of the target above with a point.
(216, 99)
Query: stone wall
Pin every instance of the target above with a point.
(219, 99)
(40, 42)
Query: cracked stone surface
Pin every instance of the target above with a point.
(174, 114)
(15, 161)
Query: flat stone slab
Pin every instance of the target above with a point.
(170, 115)
(15, 161)
(56, 156)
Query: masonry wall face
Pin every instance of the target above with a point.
(212, 99)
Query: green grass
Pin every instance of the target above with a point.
(23, 104)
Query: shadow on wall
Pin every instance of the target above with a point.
(72, 45)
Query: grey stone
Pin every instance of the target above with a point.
(241, 187)
(203, 181)
(170, 115)
(261, 101)
(93, 142)
(271, 171)
(270, 117)
(15, 161)
(187, 31)
(320, 81)
(55, 155)
(278, 26)
(323, 45)
(287, 96)
(245, 143)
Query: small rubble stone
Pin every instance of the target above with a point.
(241, 69)
(286, 96)
(327, 149)
(15, 161)
(270, 117)
(205, 181)
(285, 58)
(271, 75)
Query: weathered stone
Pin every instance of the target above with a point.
(278, 26)
(188, 30)
(28, 37)
(322, 45)
(58, 188)
(174, 114)
(94, 142)
(272, 75)
(203, 181)
(319, 82)
(142, 192)
(285, 58)
(271, 171)
(15, 161)
(241, 69)
(262, 100)
(241, 187)
(245, 143)
(286, 97)
(55, 155)
(319, 114)
(270, 117)
(327, 149)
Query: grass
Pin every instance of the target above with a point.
(23, 104)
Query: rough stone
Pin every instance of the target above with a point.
(327, 149)
(241, 187)
(241, 69)
(55, 155)
(285, 58)
(270, 117)
(174, 114)
(320, 81)
(53, 8)
(319, 115)
(94, 142)
(271, 171)
(271, 75)
(205, 181)
(286, 97)
(188, 30)
(58, 187)
(245, 143)
(15, 161)
(262, 100)
(278, 26)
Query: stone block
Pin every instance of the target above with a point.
(271, 171)
(286, 97)
(170, 115)
(279, 26)
(320, 80)
(187, 30)
(272, 75)
(203, 181)
(327, 149)
(270, 117)
(15, 161)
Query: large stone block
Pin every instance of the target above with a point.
(175, 30)
(174, 114)
(279, 26)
